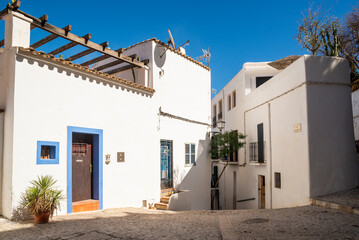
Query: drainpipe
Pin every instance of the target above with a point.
(270, 155)
(245, 147)
(1, 155)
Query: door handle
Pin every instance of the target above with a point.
(90, 168)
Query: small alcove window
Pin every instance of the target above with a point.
(190, 154)
(47, 152)
(277, 180)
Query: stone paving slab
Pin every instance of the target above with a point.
(347, 201)
(346, 198)
(308, 222)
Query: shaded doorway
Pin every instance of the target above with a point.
(82, 162)
(234, 190)
(261, 192)
(84, 169)
(166, 164)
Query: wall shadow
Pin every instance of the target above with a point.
(115, 224)
(198, 179)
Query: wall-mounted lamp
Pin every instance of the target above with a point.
(220, 125)
(108, 158)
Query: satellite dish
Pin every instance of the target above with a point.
(160, 55)
(171, 41)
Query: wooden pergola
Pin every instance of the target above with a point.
(126, 62)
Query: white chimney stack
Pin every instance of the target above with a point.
(17, 30)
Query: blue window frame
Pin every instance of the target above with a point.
(47, 152)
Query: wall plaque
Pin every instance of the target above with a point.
(297, 128)
(120, 156)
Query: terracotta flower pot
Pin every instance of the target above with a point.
(42, 218)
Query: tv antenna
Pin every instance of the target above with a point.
(206, 57)
(172, 42)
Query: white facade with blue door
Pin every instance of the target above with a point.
(48, 103)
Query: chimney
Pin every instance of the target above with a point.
(17, 30)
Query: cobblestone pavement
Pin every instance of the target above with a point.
(308, 222)
(349, 198)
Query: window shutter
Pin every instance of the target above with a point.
(187, 154)
(193, 153)
(260, 143)
(277, 180)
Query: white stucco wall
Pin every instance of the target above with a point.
(7, 102)
(355, 103)
(333, 163)
(281, 104)
(52, 97)
(1, 155)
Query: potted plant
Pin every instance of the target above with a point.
(42, 198)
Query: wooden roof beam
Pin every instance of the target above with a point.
(114, 63)
(81, 41)
(44, 19)
(49, 38)
(120, 69)
(86, 52)
(100, 58)
(124, 68)
(14, 6)
(69, 45)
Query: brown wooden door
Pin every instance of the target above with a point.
(81, 171)
(263, 192)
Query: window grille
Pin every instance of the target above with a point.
(253, 152)
(277, 180)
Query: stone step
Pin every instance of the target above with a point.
(165, 199)
(335, 206)
(167, 192)
(85, 206)
(161, 206)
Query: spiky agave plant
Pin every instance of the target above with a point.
(42, 196)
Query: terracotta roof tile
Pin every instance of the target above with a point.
(284, 62)
(172, 49)
(86, 69)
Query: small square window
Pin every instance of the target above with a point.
(47, 152)
(190, 153)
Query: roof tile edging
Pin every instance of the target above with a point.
(173, 50)
(86, 69)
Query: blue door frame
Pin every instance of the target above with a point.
(166, 164)
(97, 186)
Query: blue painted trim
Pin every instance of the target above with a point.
(97, 163)
(53, 154)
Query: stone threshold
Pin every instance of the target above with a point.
(334, 206)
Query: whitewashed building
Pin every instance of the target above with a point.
(297, 115)
(115, 139)
(355, 102)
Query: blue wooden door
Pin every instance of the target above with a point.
(166, 164)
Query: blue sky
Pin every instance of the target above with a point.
(235, 31)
